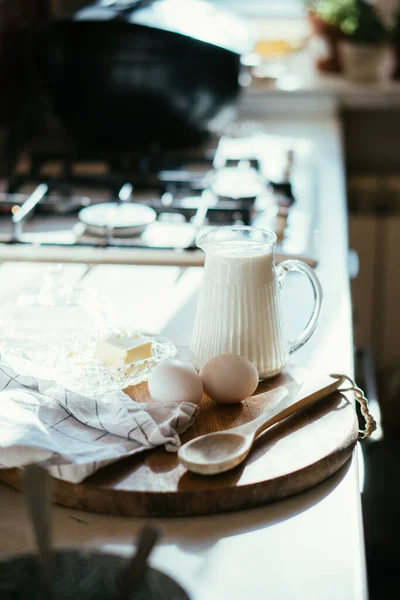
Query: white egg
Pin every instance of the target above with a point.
(229, 378)
(174, 380)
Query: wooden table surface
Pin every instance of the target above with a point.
(308, 546)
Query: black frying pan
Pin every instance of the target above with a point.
(150, 72)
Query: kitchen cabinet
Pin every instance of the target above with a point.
(373, 186)
(376, 289)
(362, 235)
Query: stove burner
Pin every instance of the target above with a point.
(115, 219)
(153, 200)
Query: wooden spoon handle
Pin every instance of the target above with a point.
(285, 406)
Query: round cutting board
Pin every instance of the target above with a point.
(291, 456)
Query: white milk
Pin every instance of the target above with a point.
(238, 309)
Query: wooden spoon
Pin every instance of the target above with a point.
(221, 451)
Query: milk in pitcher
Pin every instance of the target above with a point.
(238, 310)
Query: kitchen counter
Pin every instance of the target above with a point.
(301, 88)
(308, 546)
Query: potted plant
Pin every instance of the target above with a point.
(360, 46)
(325, 17)
(365, 51)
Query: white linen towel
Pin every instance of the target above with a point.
(75, 435)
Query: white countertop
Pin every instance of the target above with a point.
(308, 546)
(300, 87)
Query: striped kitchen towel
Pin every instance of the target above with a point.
(74, 435)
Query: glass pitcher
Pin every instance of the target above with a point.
(239, 308)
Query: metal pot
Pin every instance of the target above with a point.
(134, 74)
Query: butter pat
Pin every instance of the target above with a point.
(120, 349)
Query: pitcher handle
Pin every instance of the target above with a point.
(297, 265)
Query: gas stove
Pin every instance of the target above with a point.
(70, 203)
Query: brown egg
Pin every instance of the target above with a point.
(229, 378)
(174, 380)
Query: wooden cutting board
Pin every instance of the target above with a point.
(292, 456)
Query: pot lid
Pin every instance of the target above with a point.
(197, 19)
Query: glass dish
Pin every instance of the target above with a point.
(69, 360)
